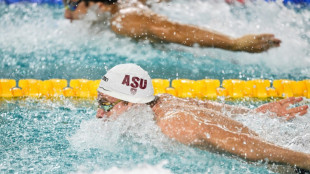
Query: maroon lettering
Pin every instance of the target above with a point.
(134, 83)
(126, 80)
(143, 85)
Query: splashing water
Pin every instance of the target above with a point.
(292, 134)
(63, 136)
(135, 125)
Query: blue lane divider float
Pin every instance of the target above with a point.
(299, 2)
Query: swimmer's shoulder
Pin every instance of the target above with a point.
(164, 98)
(130, 21)
(163, 101)
(165, 105)
(167, 102)
(134, 12)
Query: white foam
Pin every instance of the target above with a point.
(292, 134)
(136, 125)
(140, 169)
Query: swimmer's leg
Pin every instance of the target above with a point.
(187, 130)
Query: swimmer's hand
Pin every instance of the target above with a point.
(256, 43)
(280, 108)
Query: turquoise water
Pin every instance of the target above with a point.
(63, 136)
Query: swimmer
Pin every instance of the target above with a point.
(194, 122)
(133, 18)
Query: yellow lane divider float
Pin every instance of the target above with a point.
(205, 88)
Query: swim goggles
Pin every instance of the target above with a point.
(71, 5)
(106, 105)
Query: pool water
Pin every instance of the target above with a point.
(63, 135)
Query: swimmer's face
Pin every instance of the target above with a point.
(116, 107)
(78, 9)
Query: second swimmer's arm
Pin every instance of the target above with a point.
(190, 35)
(150, 25)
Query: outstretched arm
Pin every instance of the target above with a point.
(187, 129)
(153, 26)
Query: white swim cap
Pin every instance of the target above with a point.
(128, 82)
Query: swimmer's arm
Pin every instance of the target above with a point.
(190, 35)
(190, 131)
(187, 35)
(155, 27)
(152, 26)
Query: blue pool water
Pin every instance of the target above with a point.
(63, 136)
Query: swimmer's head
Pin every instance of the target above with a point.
(80, 9)
(127, 82)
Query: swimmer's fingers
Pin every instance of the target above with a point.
(268, 41)
(272, 43)
(290, 100)
(264, 46)
(256, 43)
(292, 116)
(298, 109)
(271, 40)
(279, 107)
(275, 42)
(287, 100)
(297, 100)
(301, 110)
